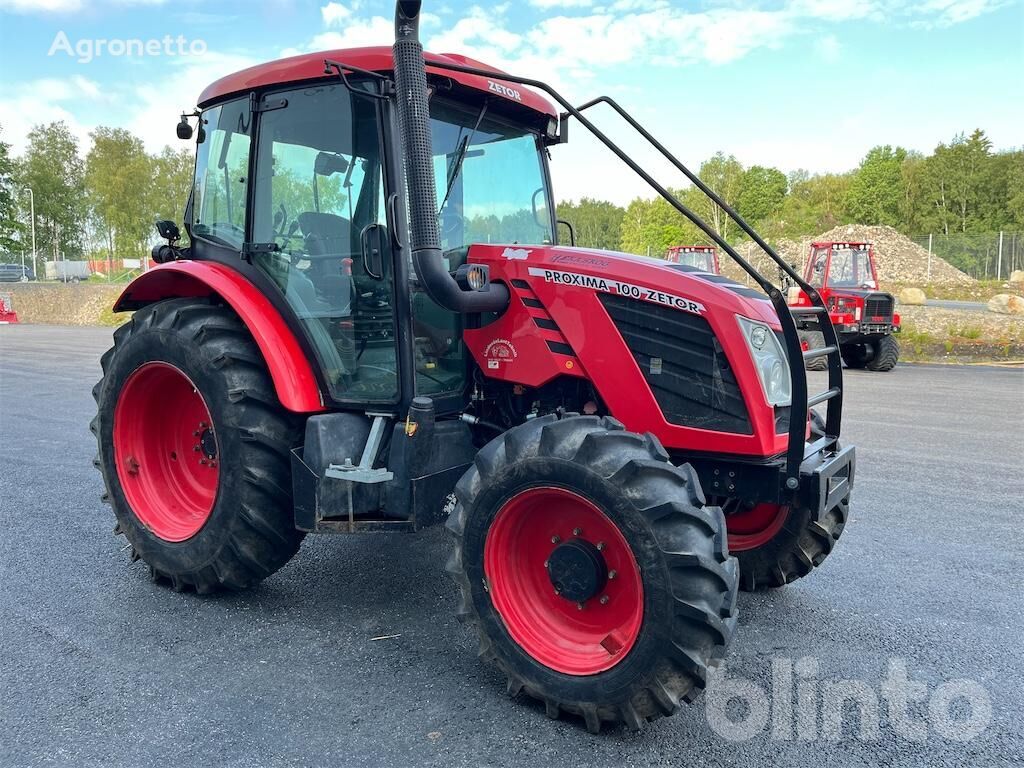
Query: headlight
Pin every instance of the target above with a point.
(770, 361)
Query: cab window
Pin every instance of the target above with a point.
(317, 199)
(219, 199)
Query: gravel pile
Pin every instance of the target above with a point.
(900, 260)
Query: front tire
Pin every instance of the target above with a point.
(777, 544)
(598, 581)
(194, 448)
(887, 353)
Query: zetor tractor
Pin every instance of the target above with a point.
(863, 317)
(701, 258)
(616, 445)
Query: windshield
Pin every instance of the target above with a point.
(850, 268)
(703, 260)
(489, 177)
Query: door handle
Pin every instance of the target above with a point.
(372, 250)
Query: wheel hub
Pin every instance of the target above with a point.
(577, 570)
(208, 443)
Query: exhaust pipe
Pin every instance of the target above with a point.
(414, 118)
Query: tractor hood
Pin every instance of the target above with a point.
(644, 279)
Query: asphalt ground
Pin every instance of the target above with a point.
(99, 666)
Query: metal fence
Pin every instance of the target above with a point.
(985, 256)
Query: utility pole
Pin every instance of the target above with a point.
(999, 261)
(32, 217)
(929, 279)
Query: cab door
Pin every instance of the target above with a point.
(319, 224)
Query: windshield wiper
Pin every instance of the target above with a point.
(460, 155)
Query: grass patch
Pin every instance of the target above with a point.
(970, 332)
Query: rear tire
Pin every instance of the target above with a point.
(651, 521)
(241, 526)
(887, 352)
(814, 340)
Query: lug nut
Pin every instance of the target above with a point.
(577, 531)
(600, 546)
(555, 539)
(604, 599)
(612, 574)
(579, 606)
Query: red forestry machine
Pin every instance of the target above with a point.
(699, 258)
(616, 445)
(864, 317)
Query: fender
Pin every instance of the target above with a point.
(293, 377)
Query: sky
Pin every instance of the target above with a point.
(794, 84)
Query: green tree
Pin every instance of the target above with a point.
(649, 227)
(724, 175)
(597, 223)
(875, 193)
(172, 182)
(957, 177)
(762, 191)
(53, 170)
(10, 229)
(814, 203)
(118, 178)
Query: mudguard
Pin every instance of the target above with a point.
(290, 370)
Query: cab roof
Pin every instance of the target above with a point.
(310, 66)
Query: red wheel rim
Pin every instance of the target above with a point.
(756, 526)
(552, 629)
(165, 451)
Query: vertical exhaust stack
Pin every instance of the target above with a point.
(414, 118)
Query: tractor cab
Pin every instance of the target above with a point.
(702, 258)
(314, 171)
(846, 277)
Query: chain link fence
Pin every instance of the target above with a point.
(983, 256)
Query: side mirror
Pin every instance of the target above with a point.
(184, 130)
(168, 230)
(572, 232)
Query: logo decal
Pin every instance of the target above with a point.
(619, 288)
(499, 351)
(516, 253)
(504, 90)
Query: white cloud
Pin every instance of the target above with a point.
(945, 13)
(548, 4)
(335, 13)
(44, 6)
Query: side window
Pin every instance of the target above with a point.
(317, 197)
(222, 166)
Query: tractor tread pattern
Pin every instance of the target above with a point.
(801, 546)
(704, 584)
(262, 536)
(887, 353)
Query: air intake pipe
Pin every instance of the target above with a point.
(414, 117)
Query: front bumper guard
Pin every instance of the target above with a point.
(826, 479)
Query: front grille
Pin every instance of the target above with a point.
(683, 364)
(878, 305)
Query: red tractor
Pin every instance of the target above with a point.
(7, 313)
(616, 445)
(863, 316)
(702, 258)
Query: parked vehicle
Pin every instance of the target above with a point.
(346, 355)
(703, 258)
(864, 317)
(67, 271)
(16, 273)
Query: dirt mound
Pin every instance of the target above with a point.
(83, 304)
(900, 260)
